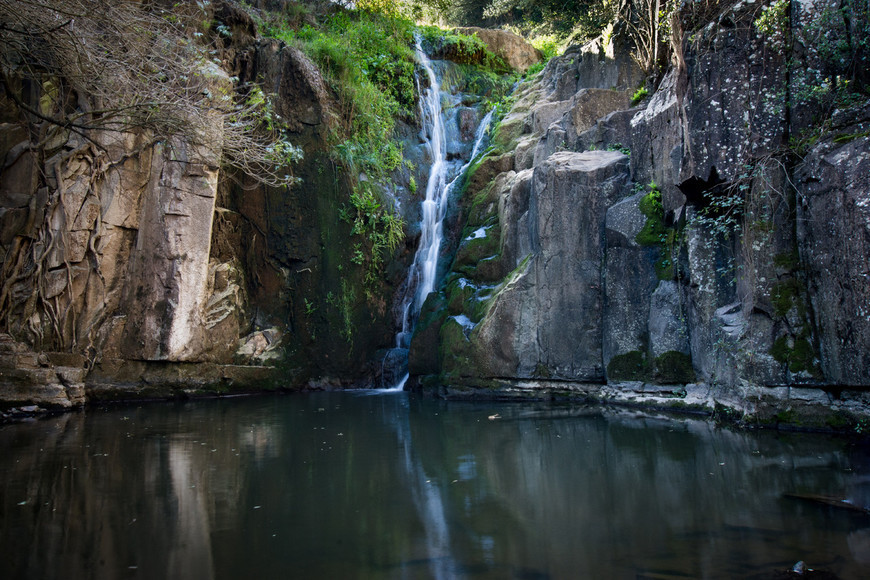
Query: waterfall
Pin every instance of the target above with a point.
(423, 272)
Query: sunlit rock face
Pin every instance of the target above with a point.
(719, 259)
(514, 49)
(107, 243)
(169, 263)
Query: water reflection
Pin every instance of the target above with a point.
(360, 486)
(425, 493)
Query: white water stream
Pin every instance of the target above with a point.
(424, 270)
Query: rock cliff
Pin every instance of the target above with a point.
(681, 252)
(139, 264)
(136, 265)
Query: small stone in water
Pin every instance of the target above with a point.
(799, 568)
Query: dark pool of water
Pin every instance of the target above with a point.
(351, 485)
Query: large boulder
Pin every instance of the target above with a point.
(516, 52)
(545, 319)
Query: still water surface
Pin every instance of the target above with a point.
(362, 485)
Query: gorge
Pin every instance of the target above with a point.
(700, 244)
(595, 309)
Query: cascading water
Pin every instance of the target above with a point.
(423, 272)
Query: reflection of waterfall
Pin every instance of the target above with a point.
(422, 275)
(428, 502)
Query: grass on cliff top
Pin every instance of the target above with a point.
(367, 58)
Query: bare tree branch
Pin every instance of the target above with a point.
(139, 68)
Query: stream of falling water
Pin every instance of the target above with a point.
(423, 272)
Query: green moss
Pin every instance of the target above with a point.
(849, 137)
(487, 271)
(507, 133)
(786, 294)
(475, 308)
(456, 297)
(787, 261)
(424, 354)
(631, 366)
(472, 251)
(654, 231)
(802, 356)
(787, 416)
(838, 421)
(456, 351)
(674, 367)
(797, 353)
(665, 268)
(655, 234)
(542, 371)
(780, 350)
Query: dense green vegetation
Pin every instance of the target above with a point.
(367, 58)
(579, 19)
(366, 55)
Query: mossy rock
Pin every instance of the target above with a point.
(788, 261)
(802, 356)
(482, 204)
(542, 371)
(666, 268)
(653, 232)
(456, 351)
(488, 270)
(656, 234)
(787, 294)
(485, 170)
(423, 356)
(472, 251)
(508, 132)
(630, 366)
(475, 308)
(674, 367)
(781, 350)
(457, 295)
(798, 353)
